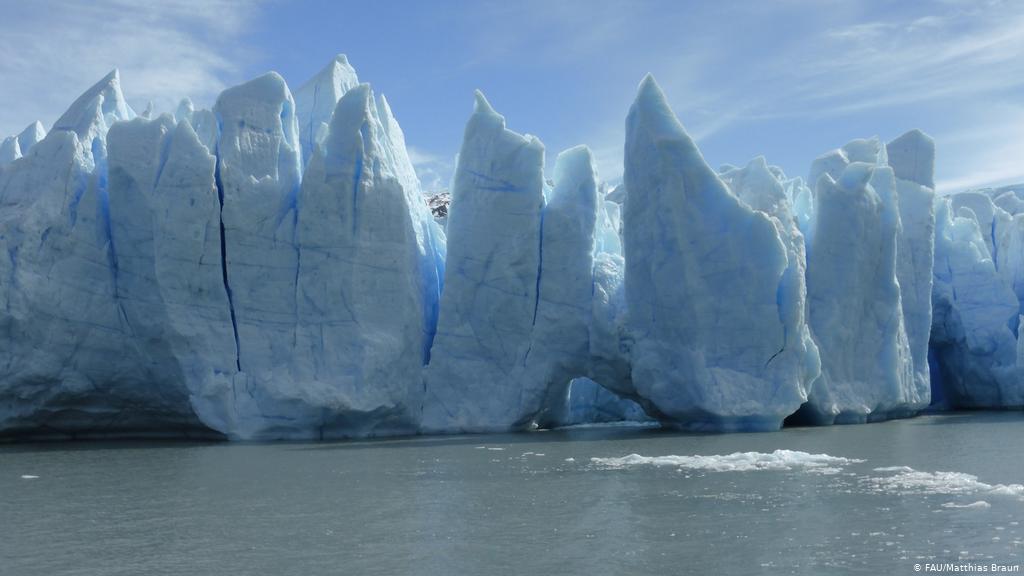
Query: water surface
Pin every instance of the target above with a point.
(532, 503)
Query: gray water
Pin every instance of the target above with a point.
(517, 504)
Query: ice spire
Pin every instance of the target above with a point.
(912, 157)
(30, 136)
(706, 285)
(489, 303)
(315, 101)
(92, 114)
(9, 150)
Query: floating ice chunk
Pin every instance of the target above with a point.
(905, 480)
(978, 505)
(894, 469)
(736, 462)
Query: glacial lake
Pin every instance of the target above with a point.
(869, 499)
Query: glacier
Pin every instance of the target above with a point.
(856, 309)
(715, 298)
(271, 268)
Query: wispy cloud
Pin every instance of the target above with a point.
(788, 78)
(894, 59)
(54, 49)
(986, 154)
(433, 170)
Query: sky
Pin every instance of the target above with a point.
(786, 79)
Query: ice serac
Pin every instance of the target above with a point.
(430, 235)
(315, 101)
(975, 315)
(10, 150)
(490, 299)
(1008, 200)
(72, 361)
(1002, 230)
(258, 178)
(367, 285)
(165, 230)
(764, 188)
(185, 110)
(969, 338)
(609, 224)
(912, 159)
(993, 221)
(203, 123)
(610, 342)
(718, 342)
(30, 136)
(560, 342)
(855, 305)
(92, 114)
(1010, 253)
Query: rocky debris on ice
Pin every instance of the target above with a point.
(439, 204)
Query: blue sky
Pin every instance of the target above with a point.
(788, 79)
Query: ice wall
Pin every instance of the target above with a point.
(72, 360)
(717, 322)
(490, 298)
(270, 269)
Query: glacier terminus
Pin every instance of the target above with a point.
(271, 268)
